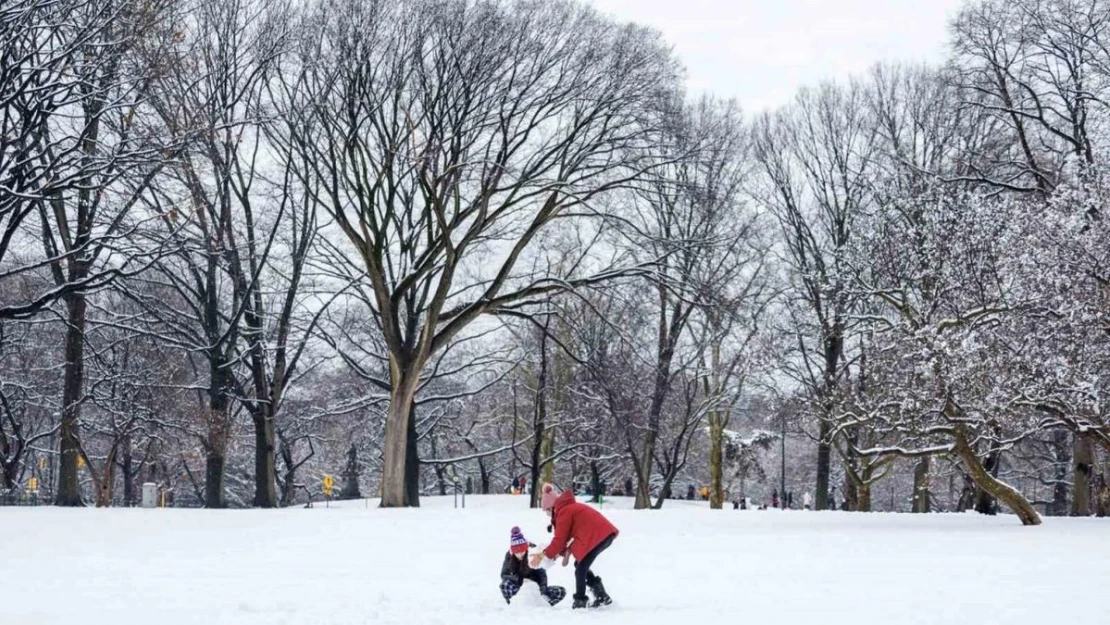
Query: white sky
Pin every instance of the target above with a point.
(761, 51)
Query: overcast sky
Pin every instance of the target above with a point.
(761, 51)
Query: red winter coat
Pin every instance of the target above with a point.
(579, 523)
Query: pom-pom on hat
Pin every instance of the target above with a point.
(547, 500)
(517, 543)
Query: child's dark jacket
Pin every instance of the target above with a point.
(517, 568)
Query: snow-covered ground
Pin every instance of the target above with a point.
(684, 565)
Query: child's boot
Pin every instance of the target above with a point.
(600, 596)
(580, 602)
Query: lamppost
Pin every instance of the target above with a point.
(782, 474)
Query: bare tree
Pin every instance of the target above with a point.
(249, 229)
(446, 137)
(87, 225)
(72, 73)
(814, 159)
(1037, 67)
(1041, 68)
(29, 392)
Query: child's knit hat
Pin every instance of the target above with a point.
(517, 544)
(547, 500)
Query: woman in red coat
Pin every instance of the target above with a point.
(586, 533)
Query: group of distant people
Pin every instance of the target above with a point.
(519, 486)
(785, 503)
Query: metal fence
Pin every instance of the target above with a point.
(18, 497)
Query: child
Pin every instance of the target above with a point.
(586, 533)
(515, 570)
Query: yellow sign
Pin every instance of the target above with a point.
(328, 484)
(80, 462)
(33, 483)
(42, 463)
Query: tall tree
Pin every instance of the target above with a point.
(448, 135)
(249, 236)
(88, 225)
(814, 159)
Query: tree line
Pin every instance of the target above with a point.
(247, 243)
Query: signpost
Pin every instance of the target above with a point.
(458, 489)
(329, 484)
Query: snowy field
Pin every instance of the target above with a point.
(685, 565)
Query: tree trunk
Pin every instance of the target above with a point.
(265, 469)
(438, 469)
(1083, 469)
(441, 480)
(834, 347)
(398, 437)
(986, 502)
(104, 494)
(1061, 452)
(667, 337)
(643, 492)
(1003, 492)
(539, 421)
(128, 474)
(547, 450)
(483, 478)
(288, 488)
(716, 434)
(69, 486)
(864, 487)
(214, 462)
(8, 473)
(595, 482)
(967, 495)
(289, 483)
(824, 459)
(562, 382)
(921, 498)
(537, 492)
(664, 491)
(412, 462)
(219, 430)
(104, 486)
(863, 498)
(1102, 493)
(851, 492)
